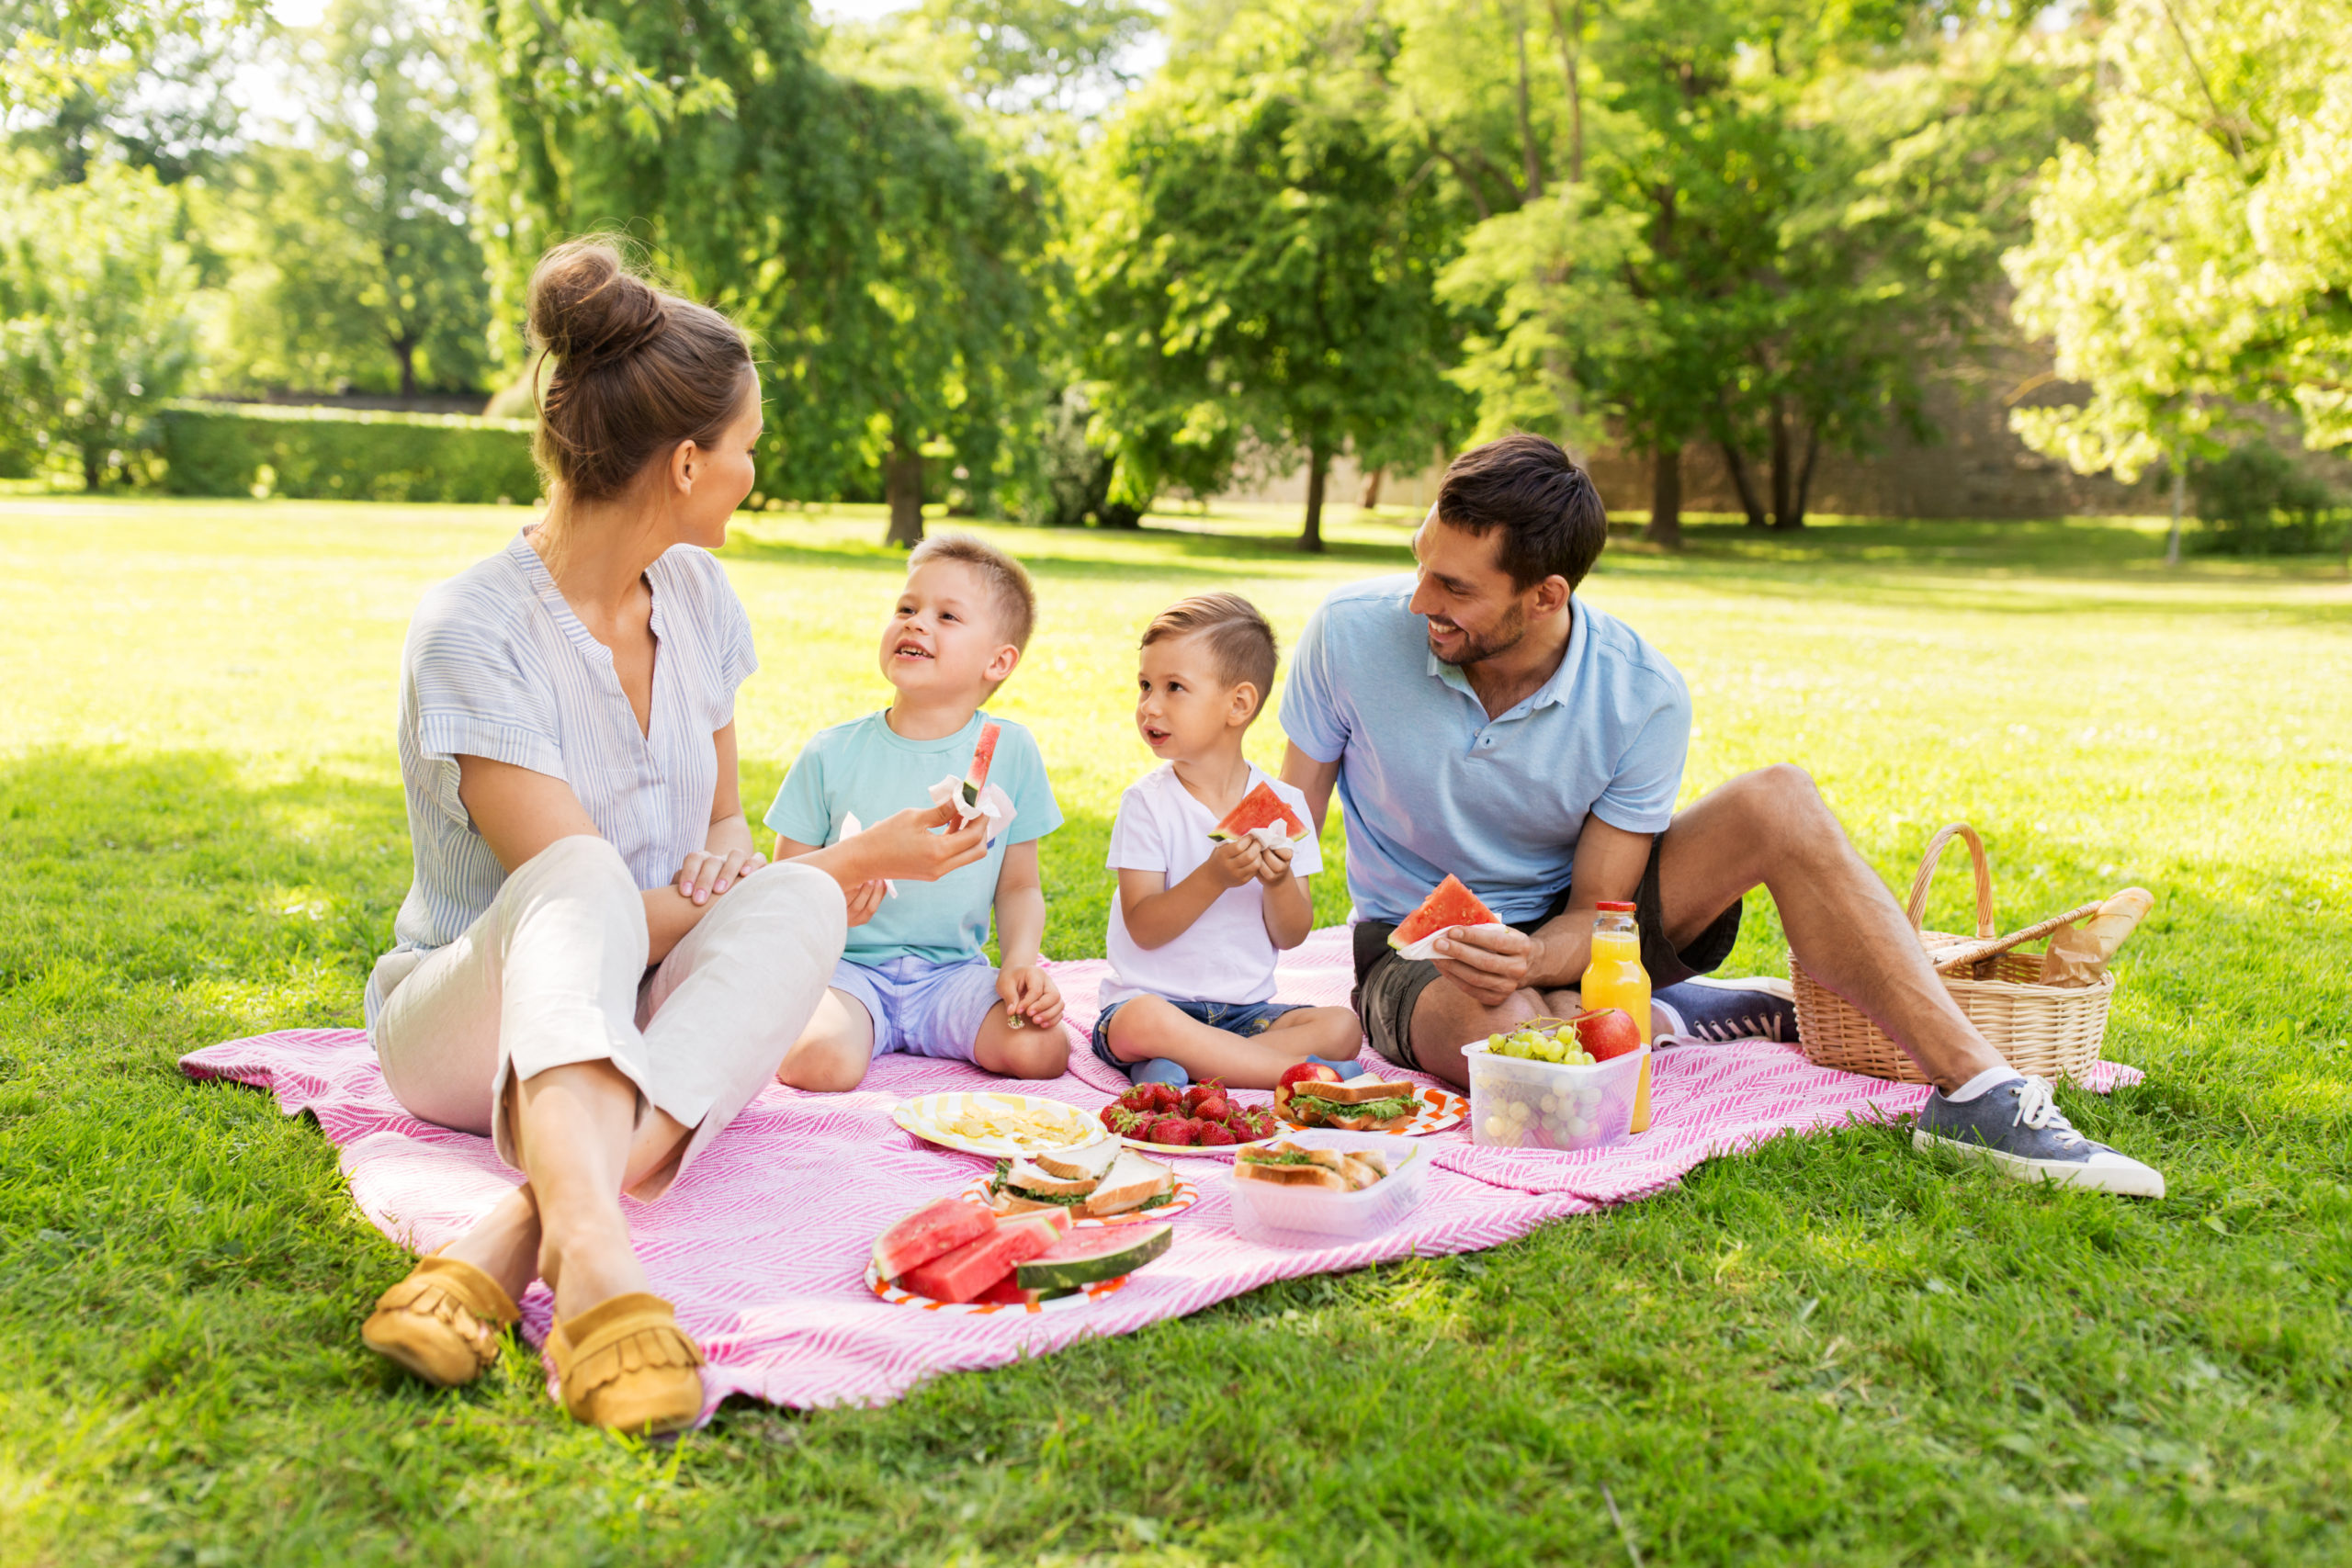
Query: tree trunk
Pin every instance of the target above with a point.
(2172, 541)
(1570, 32)
(1372, 489)
(1531, 158)
(94, 465)
(1805, 475)
(1665, 498)
(404, 350)
(1783, 469)
(902, 487)
(1318, 469)
(1742, 481)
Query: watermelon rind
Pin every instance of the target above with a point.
(1089, 1257)
(1449, 904)
(933, 1231)
(1262, 808)
(976, 777)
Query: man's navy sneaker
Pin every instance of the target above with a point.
(1721, 1010)
(2018, 1129)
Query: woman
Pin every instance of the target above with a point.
(592, 965)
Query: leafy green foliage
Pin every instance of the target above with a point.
(345, 453)
(353, 260)
(1258, 265)
(95, 328)
(2198, 252)
(881, 246)
(2253, 501)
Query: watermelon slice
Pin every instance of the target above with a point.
(1450, 905)
(1089, 1257)
(975, 778)
(1007, 1292)
(1262, 808)
(932, 1231)
(961, 1275)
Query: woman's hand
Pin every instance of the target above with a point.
(707, 872)
(865, 900)
(909, 844)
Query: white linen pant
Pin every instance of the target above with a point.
(553, 973)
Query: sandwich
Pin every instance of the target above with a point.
(1287, 1165)
(1092, 1183)
(1357, 1105)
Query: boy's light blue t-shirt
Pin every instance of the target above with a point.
(1429, 785)
(866, 769)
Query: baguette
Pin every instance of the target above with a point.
(2079, 956)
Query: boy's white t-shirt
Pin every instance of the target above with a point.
(1224, 956)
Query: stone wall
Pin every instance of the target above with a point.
(1976, 468)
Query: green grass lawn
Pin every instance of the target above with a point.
(1826, 1350)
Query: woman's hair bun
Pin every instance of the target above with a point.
(587, 308)
(636, 371)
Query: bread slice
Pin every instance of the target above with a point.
(1008, 1202)
(1354, 1090)
(1030, 1176)
(1080, 1165)
(1130, 1182)
(1290, 1175)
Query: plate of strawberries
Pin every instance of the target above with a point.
(1199, 1119)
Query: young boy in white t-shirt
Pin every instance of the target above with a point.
(1196, 923)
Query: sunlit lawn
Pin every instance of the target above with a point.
(1826, 1350)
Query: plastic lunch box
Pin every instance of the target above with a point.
(1516, 1103)
(1314, 1217)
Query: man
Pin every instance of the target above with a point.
(1478, 719)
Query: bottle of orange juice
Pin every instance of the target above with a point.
(1614, 978)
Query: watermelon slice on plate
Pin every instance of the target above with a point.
(976, 777)
(1262, 808)
(1449, 905)
(933, 1231)
(1089, 1257)
(960, 1275)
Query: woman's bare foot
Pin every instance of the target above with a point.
(504, 1243)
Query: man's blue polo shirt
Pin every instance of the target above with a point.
(1429, 785)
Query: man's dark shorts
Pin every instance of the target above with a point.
(1388, 987)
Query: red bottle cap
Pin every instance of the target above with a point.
(1614, 908)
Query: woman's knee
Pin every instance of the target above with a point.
(802, 894)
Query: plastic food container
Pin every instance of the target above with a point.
(1516, 1103)
(1311, 1217)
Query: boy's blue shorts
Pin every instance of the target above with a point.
(1235, 1018)
(920, 1008)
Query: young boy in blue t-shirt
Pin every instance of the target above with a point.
(913, 977)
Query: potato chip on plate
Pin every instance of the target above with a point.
(1005, 1126)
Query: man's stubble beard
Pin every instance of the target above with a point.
(1502, 640)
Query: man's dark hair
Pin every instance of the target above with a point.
(1551, 516)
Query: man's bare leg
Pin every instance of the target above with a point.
(1771, 829)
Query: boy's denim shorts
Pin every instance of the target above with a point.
(1234, 1018)
(920, 1008)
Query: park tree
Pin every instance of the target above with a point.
(1257, 265)
(354, 253)
(1726, 222)
(879, 245)
(2195, 255)
(95, 290)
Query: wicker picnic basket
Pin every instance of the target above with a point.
(2050, 1032)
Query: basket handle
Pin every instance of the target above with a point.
(1916, 909)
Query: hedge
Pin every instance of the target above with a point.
(316, 454)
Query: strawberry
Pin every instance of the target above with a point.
(1215, 1108)
(1164, 1097)
(1171, 1130)
(1217, 1138)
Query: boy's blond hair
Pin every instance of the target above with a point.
(1242, 641)
(1008, 582)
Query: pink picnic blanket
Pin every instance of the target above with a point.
(762, 1245)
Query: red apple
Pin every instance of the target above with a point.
(1306, 1072)
(1606, 1033)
